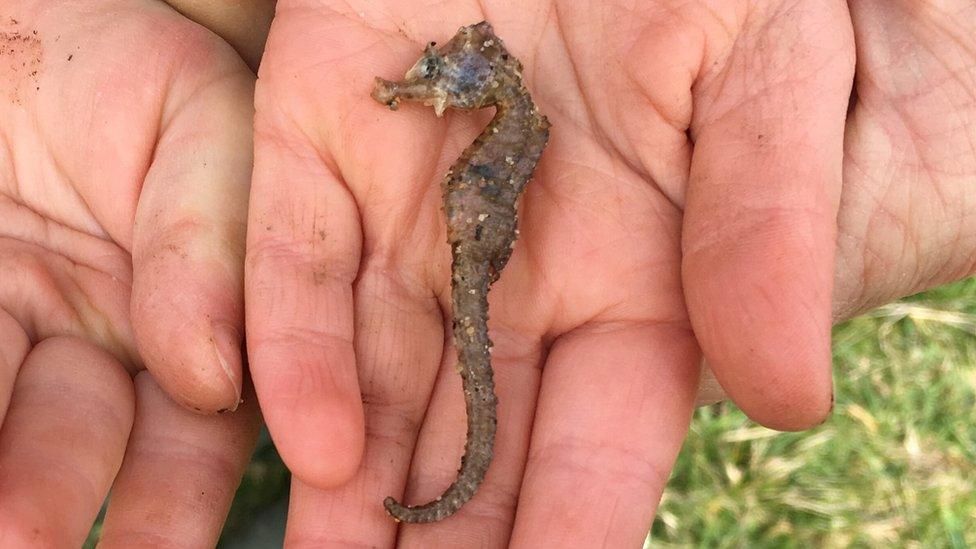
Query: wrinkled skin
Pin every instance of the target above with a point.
(124, 167)
(700, 152)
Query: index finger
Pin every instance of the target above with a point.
(303, 247)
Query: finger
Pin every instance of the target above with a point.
(759, 224)
(62, 443)
(486, 520)
(179, 474)
(302, 256)
(13, 348)
(613, 411)
(188, 238)
(243, 25)
(399, 339)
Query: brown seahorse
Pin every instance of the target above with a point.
(481, 190)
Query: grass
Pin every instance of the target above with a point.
(895, 465)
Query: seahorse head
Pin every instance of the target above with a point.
(471, 71)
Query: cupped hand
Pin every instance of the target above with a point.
(125, 150)
(688, 202)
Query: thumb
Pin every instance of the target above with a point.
(760, 218)
(188, 238)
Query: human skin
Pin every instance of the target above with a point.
(242, 23)
(125, 156)
(690, 203)
(904, 225)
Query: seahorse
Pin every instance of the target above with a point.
(481, 191)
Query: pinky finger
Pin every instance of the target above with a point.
(180, 472)
(613, 411)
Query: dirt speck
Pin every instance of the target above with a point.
(176, 250)
(21, 61)
(320, 276)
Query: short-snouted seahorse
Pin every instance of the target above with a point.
(481, 190)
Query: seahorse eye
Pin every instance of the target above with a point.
(430, 67)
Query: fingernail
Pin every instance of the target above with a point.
(227, 342)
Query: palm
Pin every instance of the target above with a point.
(97, 248)
(595, 359)
(910, 161)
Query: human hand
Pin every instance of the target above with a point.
(904, 223)
(125, 151)
(696, 150)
